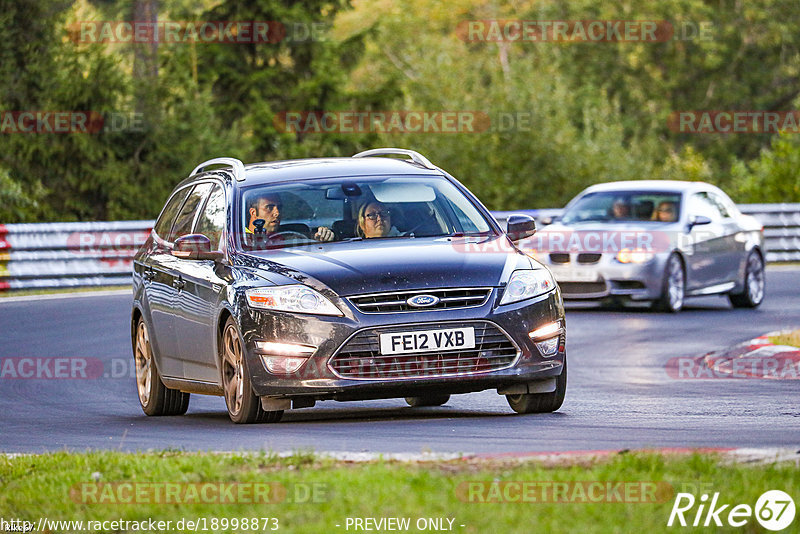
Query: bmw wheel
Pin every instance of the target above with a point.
(754, 282)
(673, 289)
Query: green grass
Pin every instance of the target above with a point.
(791, 339)
(321, 493)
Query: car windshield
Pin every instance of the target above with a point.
(622, 206)
(348, 209)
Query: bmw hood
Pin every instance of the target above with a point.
(360, 267)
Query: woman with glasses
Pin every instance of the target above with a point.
(375, 220)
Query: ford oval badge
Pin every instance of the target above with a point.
(422, 301)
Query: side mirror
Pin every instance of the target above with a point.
(520, 226)
(698, 220)
(195, 247)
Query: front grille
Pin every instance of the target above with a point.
(397, 301)
(588, 257)
(559, 257)
(360, 356)
(582, 288)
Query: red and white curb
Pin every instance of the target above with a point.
(756, 358)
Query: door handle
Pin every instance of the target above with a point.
(178, 283)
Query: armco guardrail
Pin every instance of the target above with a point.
(53, 255)
(781, 229)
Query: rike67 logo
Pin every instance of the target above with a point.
(774, 510)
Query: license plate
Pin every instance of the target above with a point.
(427, 340)
(570, 274)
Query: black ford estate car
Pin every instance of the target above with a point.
(279, 284)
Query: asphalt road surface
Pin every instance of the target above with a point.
(619, 394)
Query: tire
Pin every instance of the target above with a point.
(244, 407)
(673, 286)
(541, 402)
(753, 284)
(427, 400)
(154, 396)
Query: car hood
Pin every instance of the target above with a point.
(360, 267)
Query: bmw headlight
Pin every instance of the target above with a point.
(634, 256)
(294, 298)
(527, 284)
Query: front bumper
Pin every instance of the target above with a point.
(317, 379)
(606, 277)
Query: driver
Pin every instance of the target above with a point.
(268, 207)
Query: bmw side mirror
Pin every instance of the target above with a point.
(195, 247)
(698, 220)
(520, 226)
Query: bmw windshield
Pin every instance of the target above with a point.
(347, 209)
(624, 206)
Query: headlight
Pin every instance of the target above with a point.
(627, 255)
(526, 284)
(294, 298)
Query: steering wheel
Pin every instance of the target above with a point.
(289, 233)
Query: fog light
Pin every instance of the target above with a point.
(283, 358)
(546, 331)
(548, 347)
(283, 365)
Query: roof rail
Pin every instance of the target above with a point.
(237, 165)
(416, 157)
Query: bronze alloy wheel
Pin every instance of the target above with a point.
(143, 357)
(243, 405)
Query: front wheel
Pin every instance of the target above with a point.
(673, 286)
(541, 402)
(754, 282)
(427, 400)
(244, 406)
(154, 396)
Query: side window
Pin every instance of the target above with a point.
(184, 220)
(212, 219)
(721, 205)
(701, 204)
(164, 222)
